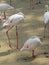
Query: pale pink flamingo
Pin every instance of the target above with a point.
(31, 44)
(46, 19)
(4, 7)
(12, 21)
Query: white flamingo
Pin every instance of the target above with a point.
(12, 21)
(46, 18)
(31, 44)
(4, 7)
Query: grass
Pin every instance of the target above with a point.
(32, 26)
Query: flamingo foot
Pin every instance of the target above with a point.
(34, 56)
(17, 47)
(44, 37)
(45, 53)
(10, 46)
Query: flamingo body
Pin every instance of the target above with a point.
(14, 19)
(5, 6)
(46, 20)
(46, 17)
(32, 43)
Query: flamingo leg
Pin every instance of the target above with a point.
(44, 30)
(8, 36)
(4, 15)
(33, 54)
(17, 37)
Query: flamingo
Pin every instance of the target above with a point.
(46, 18)
(4, 7)
(12, 21)
(31, 44)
